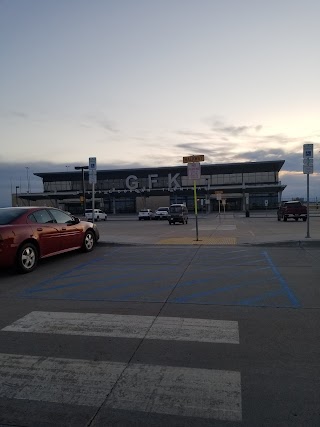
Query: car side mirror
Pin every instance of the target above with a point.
(76, 220)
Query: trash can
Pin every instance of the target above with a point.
(247, 214)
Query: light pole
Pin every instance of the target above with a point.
(17, 186)
(28, 181)
(83, 168)
(208, 198)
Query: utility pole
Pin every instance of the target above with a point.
(28, 180)
(83, 168)
(17, 203)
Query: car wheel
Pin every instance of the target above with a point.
(170, 223)
(27, 258)
(296, 219)
(285, 218)
(105, 218)
(279, 219)
(89, 241)
(304, 219)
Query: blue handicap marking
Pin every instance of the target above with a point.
(240, 277)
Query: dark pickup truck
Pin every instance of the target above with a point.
(294, 210)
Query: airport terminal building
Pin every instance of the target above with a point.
(235, 186)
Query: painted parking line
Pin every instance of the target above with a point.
(168, 390)
(128, 326)
(225, 276)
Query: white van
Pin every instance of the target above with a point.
(98, 215)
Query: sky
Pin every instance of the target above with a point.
(139, 83)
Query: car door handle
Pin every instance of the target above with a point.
(63, 228)
(39, 229)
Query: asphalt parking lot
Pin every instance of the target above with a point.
(156, 328)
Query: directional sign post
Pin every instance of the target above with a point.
(194, 173)
(93, 180)
(308, 169)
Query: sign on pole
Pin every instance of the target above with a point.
(194, 158)
(308, 169)
(308, 158)
(92, 170)
(307, 151)
(194, 171)
(93, 180)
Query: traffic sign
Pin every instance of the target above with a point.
(92, 163)
(308, 165)
(307, 151)
(92, 176)
(92, 170)
(193, 158)
(194, 171)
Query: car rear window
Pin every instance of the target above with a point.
(9, 215)
(292, 204)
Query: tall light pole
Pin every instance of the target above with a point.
(207, 198)
(17, 186)
(28, 181)
(83, 168)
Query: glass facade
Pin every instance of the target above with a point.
(164, 182)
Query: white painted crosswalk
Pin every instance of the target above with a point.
(128, 326)
(152, 388)
(57, 380)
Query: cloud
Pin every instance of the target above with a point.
(101, 121)
(13, 114)
(219, 126)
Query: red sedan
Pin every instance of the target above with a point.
(30, 233)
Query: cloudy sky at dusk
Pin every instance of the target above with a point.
(145, 82)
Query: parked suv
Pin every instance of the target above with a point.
(178, 213)
(161, 213)
(98, 215)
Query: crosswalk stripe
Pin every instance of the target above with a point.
(204, 393)
(168, 390)
(128, 326)
(57, 380)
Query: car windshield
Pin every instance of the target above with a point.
(9, 215)
(175, 209)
